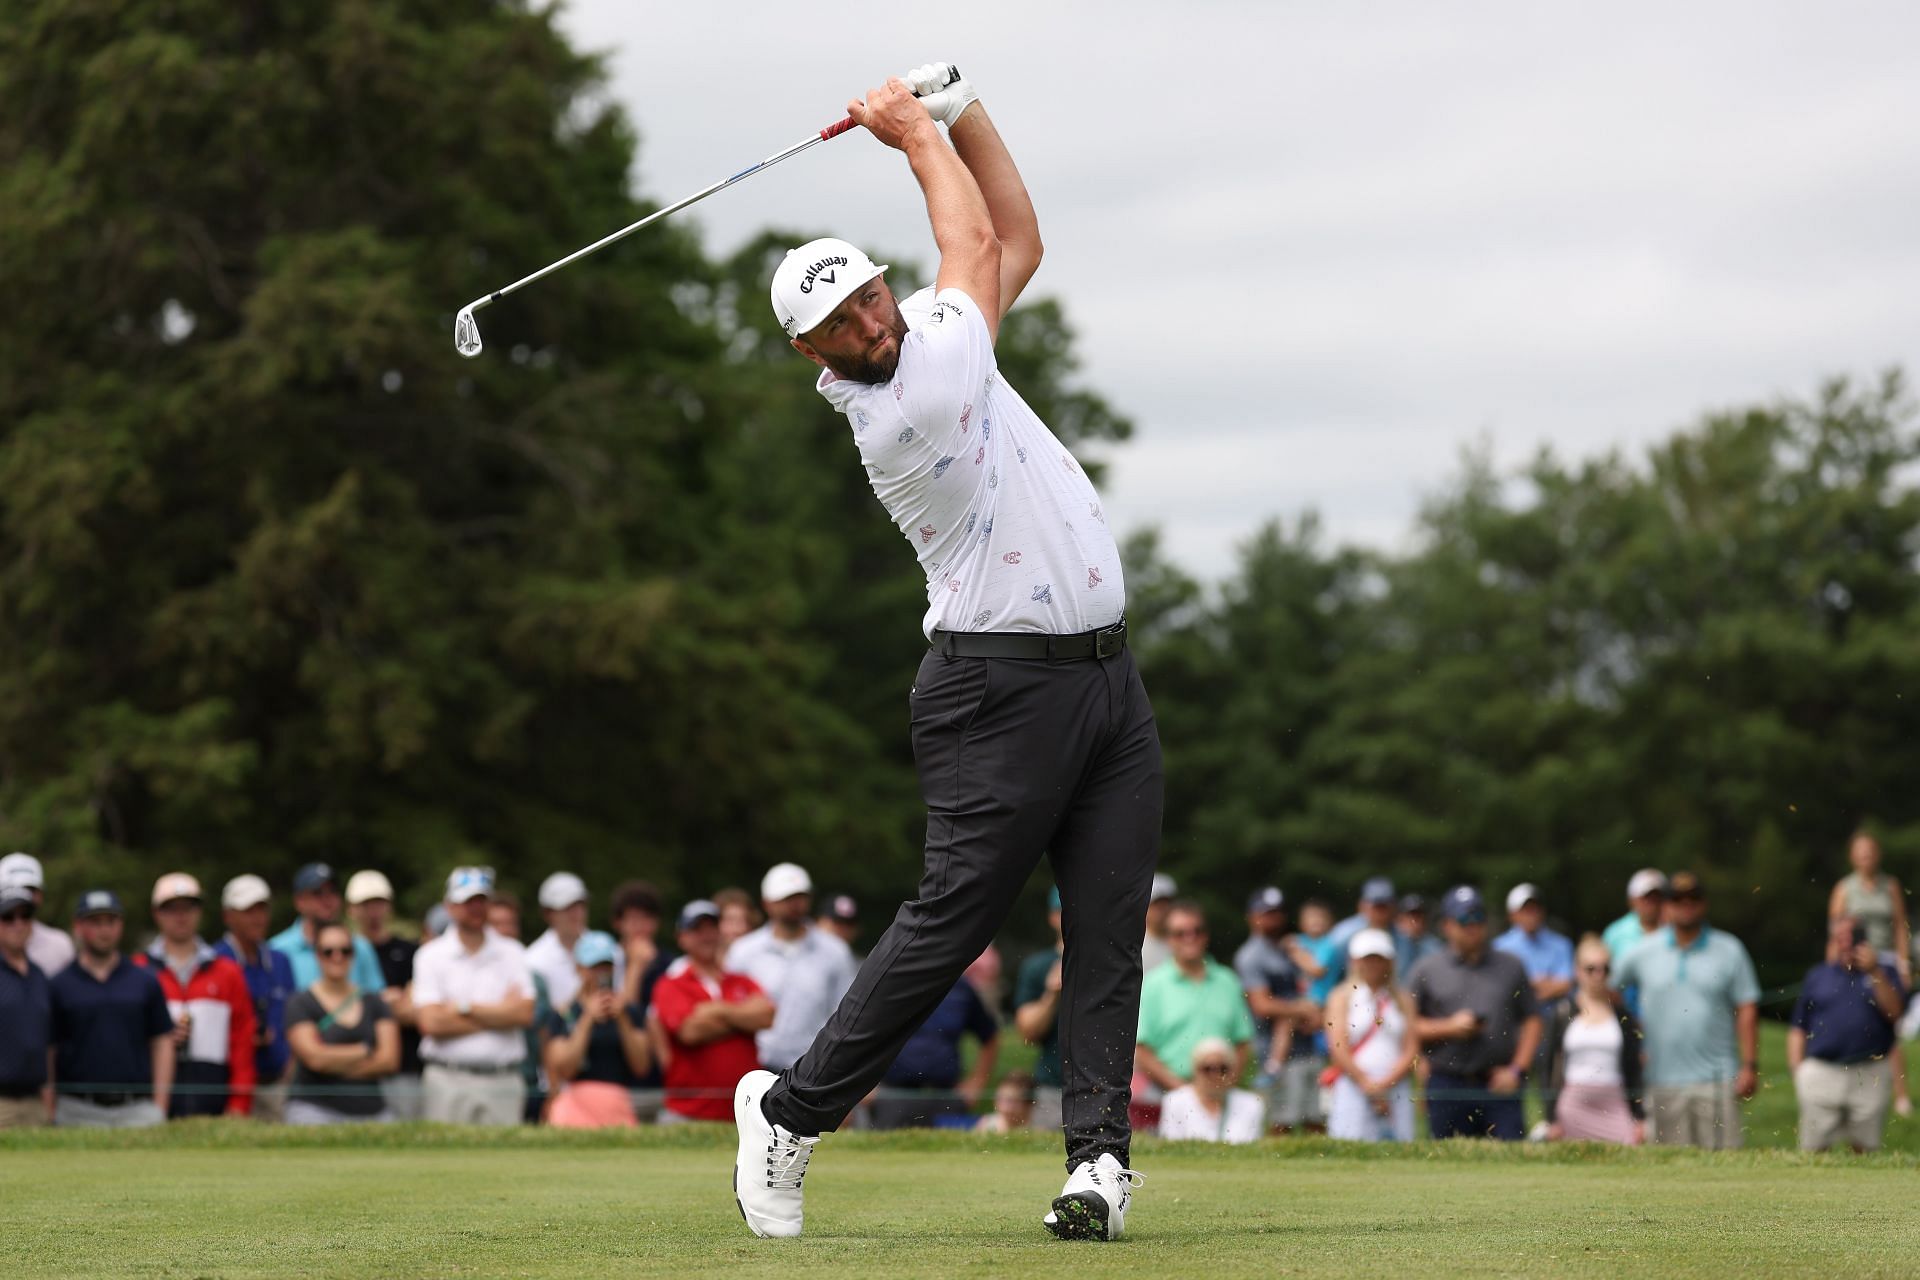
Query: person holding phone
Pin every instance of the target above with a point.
(597, 1050)
(1478, 1023)
(1840, 1040)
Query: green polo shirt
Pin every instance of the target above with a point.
(1688, 998)
(1177, 1013)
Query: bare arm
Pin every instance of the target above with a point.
(385, 1058)
(1036, 1018)
(1902, 933)
(1837, 901)
(634, 1044)
(1339, 1050)
(1008, 204)
(564, 1054)
(1155, 1070)
(317, 1055)
(976, 1082)
(1796, 1048)
(163, 1058)
(515, 1013)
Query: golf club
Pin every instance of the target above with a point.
(466, 330)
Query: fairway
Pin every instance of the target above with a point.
(224, 1199)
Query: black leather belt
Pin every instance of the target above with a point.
(103, 1098)
(1108, 642)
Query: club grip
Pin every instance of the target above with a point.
(835, 130)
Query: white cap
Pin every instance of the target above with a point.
(175, 884)
(366, 886)
(1520, 895)
(1210, 1047)
(561, 890)
(22, 869)
(1646, 881)
(1371, 942)
(466, 883)
(783, 881)
(1163, 887)
(814, 279)
(243, 892)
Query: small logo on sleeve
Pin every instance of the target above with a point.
(927, 533)
(940, 467)
(1012, 557)
(906, 434)
(966, 416)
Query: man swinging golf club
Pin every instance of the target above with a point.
(1031, 731)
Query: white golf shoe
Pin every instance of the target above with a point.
(769, 1164)
(1093, 1204)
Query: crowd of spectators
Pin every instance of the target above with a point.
(1646, 1030)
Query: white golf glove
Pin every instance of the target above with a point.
(943, 101)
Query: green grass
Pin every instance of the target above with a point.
(218, 1198)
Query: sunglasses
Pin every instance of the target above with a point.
(1596, 968)
(333, 953)
(1186, 933)
(1216, 1069)
(1688, 897)
(15, 917)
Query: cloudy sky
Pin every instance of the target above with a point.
(1316, 250)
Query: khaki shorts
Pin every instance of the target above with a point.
(23, 1113)
(1843, 1104)
(1695, 1115)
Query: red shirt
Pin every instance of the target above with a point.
(701, 1077)
(218, 978)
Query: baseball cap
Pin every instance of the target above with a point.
(468, 883)
(783, 881)
(98, 902)
(561, 890)
(1646, 881)
(314, 875)
(22, 869)
(1520, 895)
(842, 907)
(696, 911)
(243, 892)
(1371, 942)
(15, 895)
(814, 279)
(1163, 887)
(367, 886)
(1208, 1048)
(1377, 889)
(1413, 904)
(1685, 884)
(594, 947)
(173, 885)
(1264, 900)
(1463, 904)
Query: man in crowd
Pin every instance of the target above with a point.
(1036, 1015)
(1156, 950)
(1838, 1044)
(804, 970)
(563, 902)
(503, 917)
(635, 915)
(26, 1017)
(1413, 929)
(245, 907)
(473, 996)
(1699, 1011)
(49, 948)
(213, 1035)
(316, 900)
(1479, 1025)
(1547, 957)
(1285, 1021)
(1182, 1002)
(1376, 909)
(113, 1036)
(370, 903)
(842, 919)
(1646, 910)
(709, 1018)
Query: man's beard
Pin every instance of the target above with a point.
(868, 368)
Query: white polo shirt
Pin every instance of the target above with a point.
(445, 972)
(805, 980)
(1008, 528)
(552, 959)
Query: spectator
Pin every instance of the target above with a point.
(1012, 1105)
(563, 901)
(49, 948)
(316, 899)
(802, 969)
(212, 1007)
(842, 919)
(985, 973)
(244, 907)
(1372, 1047)
(1284, 1020)
(1419, 940)
(1646, 910)
(370, 903)
(1875, 902)
(1699, 1002)
(708, 1017)
(1210, 1108)
(738, 917)
(1478, 1024)
(923, 1088)
(1311, 950)
(473, 994)
(503, 917)
(113, 1036)
(345, 1041)
(1156, 949)
(1548, 959)
(635, 915)
(1183, 1002)
(26, 1014)
(597, 1051)
(1596, 1093)
(1376, 909)
(1036, 1016)
(1841, 1039)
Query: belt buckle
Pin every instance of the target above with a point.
(1109, 642)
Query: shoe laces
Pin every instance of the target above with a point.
(787, 1158)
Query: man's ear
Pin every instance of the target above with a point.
(807, 351)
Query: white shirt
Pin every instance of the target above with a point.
(1008, 528)
(1377, 1013)
(445, 972)
(805, 980)
(1593, 1052)
(552, 959)
(1242, 1119)
(49, 948)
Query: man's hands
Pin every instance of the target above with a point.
(893, 115)
(944, 102)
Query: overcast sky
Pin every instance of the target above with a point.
(1315, 250)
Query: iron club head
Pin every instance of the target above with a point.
(466, 333)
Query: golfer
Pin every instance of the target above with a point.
(1031, 731)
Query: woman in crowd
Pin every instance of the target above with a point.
(345, 1041)
(1876, 903)
(1210, 1108)
(739, 916)
(598, 1050)
(1596, 1089)
(1370, 1046)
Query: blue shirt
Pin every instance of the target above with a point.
(1688, 998)
(1836, 1010)
(292, 943)
(1323, 949)
(104, 1031)
(931, 1057)
(1545, 954)
(271, 985)
(26, 1017)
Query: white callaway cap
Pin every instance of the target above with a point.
(783, 881)
(561, 890)
(1371, 942)
(814, 279)
(243, 892)
(1645, 882)
(366, 886)
(22, 869)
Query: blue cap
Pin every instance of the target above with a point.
(696, 911)
(1378, 889)
(1053, 898)
(98, 902)
(1264, 900)
(312, 876)
(1463, 905)
(595, 947)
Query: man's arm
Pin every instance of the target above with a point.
(1014, 223)
(1153, 1068)
(163, 1058)
(1747, 1025)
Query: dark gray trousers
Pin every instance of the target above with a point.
(1017, 759)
